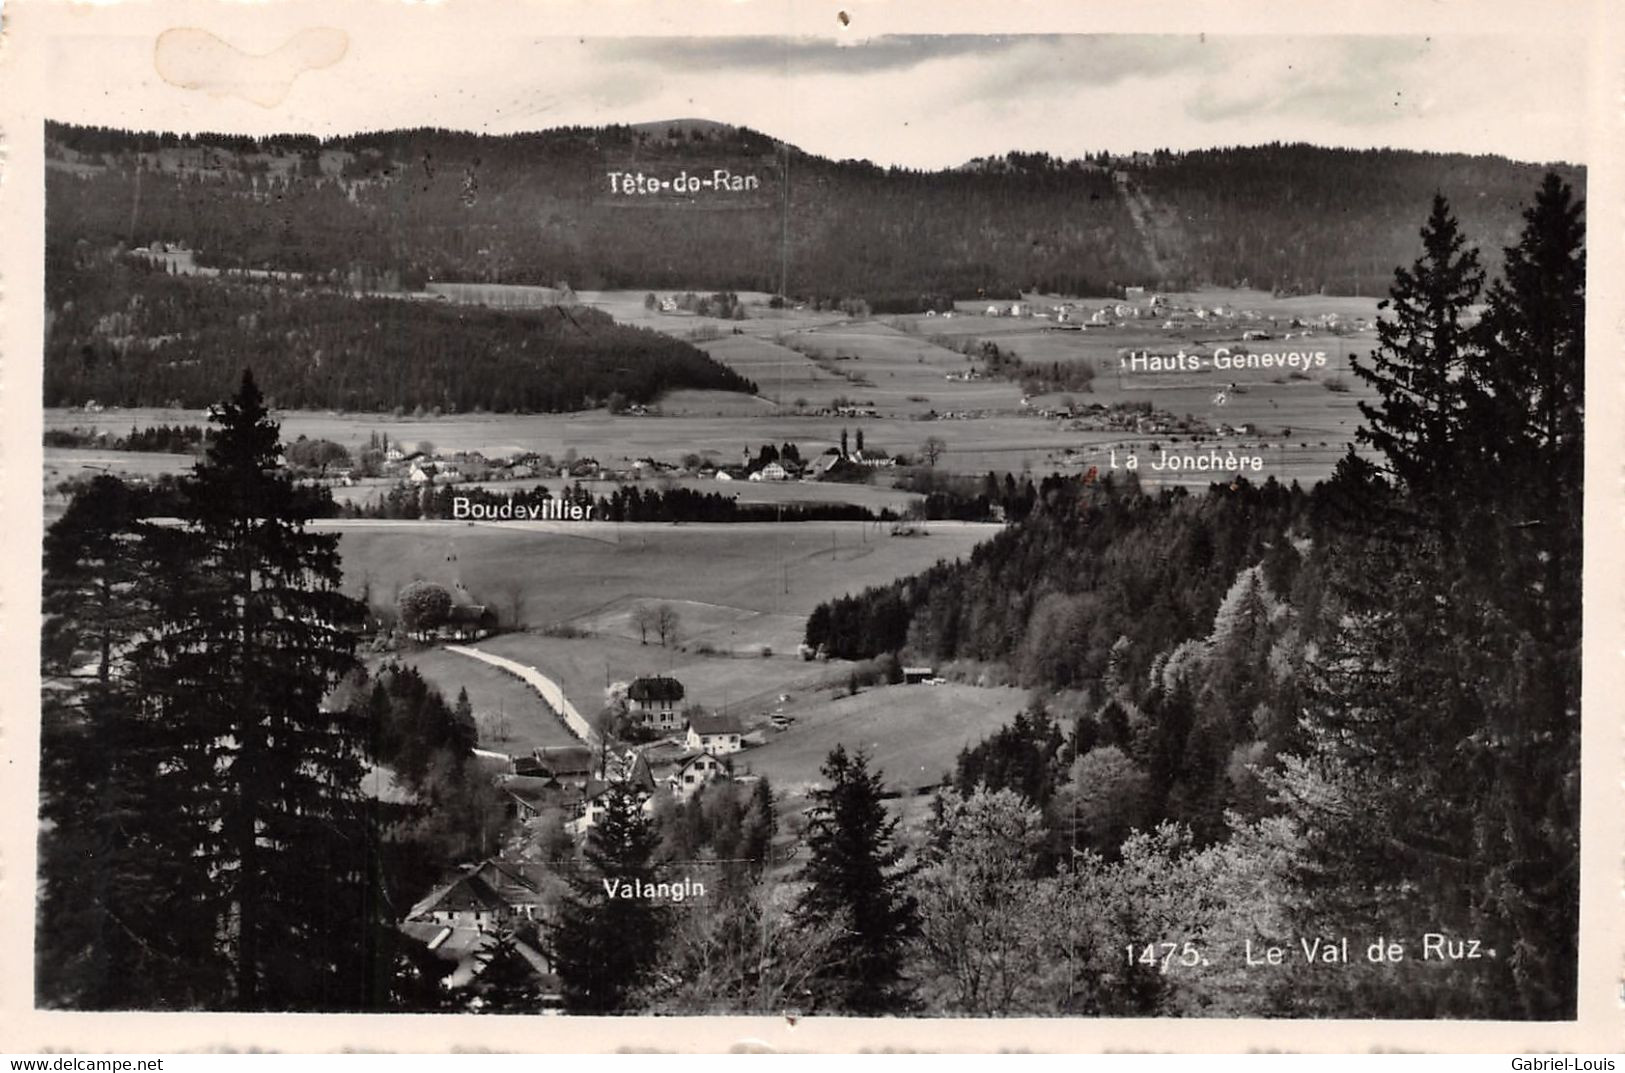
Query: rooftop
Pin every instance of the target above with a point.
(715, 724)
(657, 687)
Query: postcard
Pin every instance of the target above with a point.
(567, 527)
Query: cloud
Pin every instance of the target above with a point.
(925, 101)
(1049, 65)
(1349, 81)
(797, 56)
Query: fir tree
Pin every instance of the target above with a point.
(506, 982)
(855, 885)
(118, 876)
(1522, 549)
(606, 943)
(1422, 355)
(247, 654)
(761, 824)
(1452, 673)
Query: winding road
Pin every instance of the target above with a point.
(549, 689)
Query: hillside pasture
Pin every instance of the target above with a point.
(699, 403)
(734, 631)
(899, 372)
(912, 733)
(560, 571)
(582, 666)
(781, 374)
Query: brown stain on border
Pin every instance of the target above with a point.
(192, 58)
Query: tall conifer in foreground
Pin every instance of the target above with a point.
(208, 845)
(248, 651)
(1440, 785)
(119, 880)
(1524, 546)
(607, 942)
(856, 887)
(1423, 352)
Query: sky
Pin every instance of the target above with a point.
(928, 101)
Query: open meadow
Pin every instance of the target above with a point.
(560, 571)
(912, 733)
(745, 685)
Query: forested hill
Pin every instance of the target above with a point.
(398, 208)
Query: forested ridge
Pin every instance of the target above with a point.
(398, 208)
(129, 334)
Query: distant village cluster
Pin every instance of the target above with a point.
(423, 465)
(1139, 305)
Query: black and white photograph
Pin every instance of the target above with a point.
(811, 524)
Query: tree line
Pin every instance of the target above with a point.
(403, 207)
(163, 439)
(628, 503)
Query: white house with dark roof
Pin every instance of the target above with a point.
(694, 773)
(773, 471)
(716, 734)
(873, 458)
(656, 701)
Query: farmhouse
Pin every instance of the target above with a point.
(468, 622)
(715, 734)
(529, 795)
(654, 701)
(566, 765)
(773, 471)
(916, 675)
(174, 257)
(459, 919)
(631, 768)
(687, 780)
(595, 802)
(486, 895)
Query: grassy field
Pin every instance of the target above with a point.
(899, 373)
(912, 733)
(727, 583)
(69, 463)
(562, 572)
(736, 587)
(511, 717)
(1320, 423)
(744, 685)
